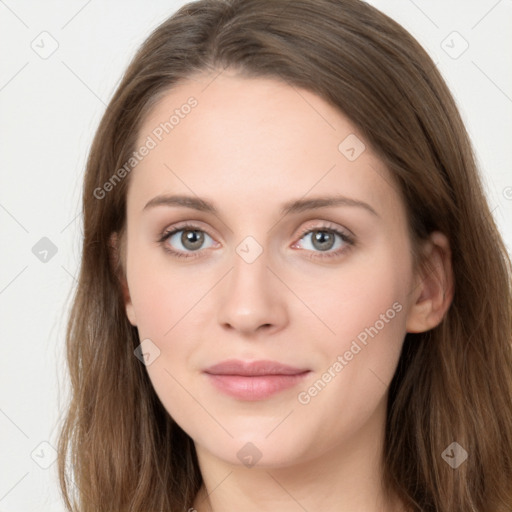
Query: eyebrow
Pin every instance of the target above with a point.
(290, 207)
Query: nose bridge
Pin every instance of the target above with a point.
(251, 297)
(250, 279)
(250, 267)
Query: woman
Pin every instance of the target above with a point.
(292, 293)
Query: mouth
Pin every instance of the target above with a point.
(254, 380)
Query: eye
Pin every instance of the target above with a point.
(187, 241)
(328, 240)
(181, 240)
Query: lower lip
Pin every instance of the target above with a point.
(253, 388)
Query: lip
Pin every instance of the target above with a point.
(254, 380)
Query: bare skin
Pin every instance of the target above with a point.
(248, 147)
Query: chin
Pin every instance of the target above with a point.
(256, 450)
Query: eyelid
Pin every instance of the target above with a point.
(184, 226)
(317, 225)
(187, 224)
(347, 237)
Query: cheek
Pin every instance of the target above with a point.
(365, 309)
(163, 304)
(364, 306)
(365, 293)
(160, 294)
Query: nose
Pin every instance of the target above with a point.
(252, 299)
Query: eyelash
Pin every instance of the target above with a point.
(347, 239)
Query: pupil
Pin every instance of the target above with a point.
(192, 239)
(323, 240)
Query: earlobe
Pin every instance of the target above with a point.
(117, 268)
(130, 313)
(434, 293)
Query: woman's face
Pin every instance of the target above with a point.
(261, 267)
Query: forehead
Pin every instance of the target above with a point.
(228, 103)
(254, 139)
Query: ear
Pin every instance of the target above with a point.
(117, 266)
(435, 287)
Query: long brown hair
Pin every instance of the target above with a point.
(119, 450)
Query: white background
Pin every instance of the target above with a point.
(49, 111)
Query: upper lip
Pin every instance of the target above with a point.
(248, 368)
